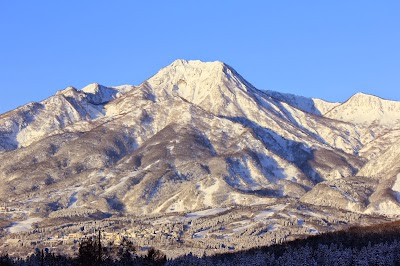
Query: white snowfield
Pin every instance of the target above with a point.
(268, 213)
(208, 212)
(23, 226)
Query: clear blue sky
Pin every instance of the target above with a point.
(326, 49)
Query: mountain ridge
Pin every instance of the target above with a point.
(196, 135)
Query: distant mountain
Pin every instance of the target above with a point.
(197, 135)
(368, 110)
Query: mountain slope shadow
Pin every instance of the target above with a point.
(289, 150)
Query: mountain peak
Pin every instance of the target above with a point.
(181, 65)
(211, 84)
(196, 63)
(99, 94)
(361, 98)
(92, 88)
(192, 69)
(362, 108)
(362, 95)
(68, 92)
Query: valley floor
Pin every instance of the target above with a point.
(206, 232)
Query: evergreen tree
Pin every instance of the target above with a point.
(155, 257)
(6, 261)
(99, 258)
(87, 253)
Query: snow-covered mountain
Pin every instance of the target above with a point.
(368, 110)
(198, 135)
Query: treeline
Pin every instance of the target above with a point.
(372, 245)
(86, 258)
(92, 252)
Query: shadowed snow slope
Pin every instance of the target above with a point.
(193, 136)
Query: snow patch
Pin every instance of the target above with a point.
(23, 226)
(396, 187)
(388, 208)
(209, 191)
(268, 213)
(245, 224)
(204, 213)
(201, 234)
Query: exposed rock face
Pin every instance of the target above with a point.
(198, 135)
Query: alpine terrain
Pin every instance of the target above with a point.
(194, 159)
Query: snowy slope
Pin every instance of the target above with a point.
(309, 105)
(368, 110)
(34, 121)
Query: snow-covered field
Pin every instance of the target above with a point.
(263, 215)
(23, 226)
(208, 212)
